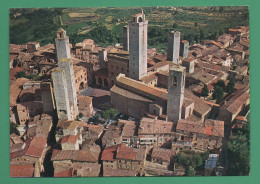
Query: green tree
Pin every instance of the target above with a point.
(218, 94)
(221, 9)
(205, 91)
(12, 127)
(231, 85)
(110, 113)
(238, 154)
(190, 171)
(221, 84)
(175, 25)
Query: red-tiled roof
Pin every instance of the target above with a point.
(22, 170)
(109, 154)
(36, 147)
(126, 153)
(208, 130)
(69, 139)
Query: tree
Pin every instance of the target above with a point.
(221, 84)
(231, 85)
(190, 171)
(218, 94)
(221, 9)
(205, 91)
(238, 155)
(110, 113)
(12, 127)
(175, 25)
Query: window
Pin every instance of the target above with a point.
(174, 82)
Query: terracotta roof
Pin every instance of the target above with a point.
(129, 129)
(136, 85)
(199, 106)
(164, 154)
(75, 155)
(159, 64)
(184, 41)
(153, 126)
(69, 139)
(22, 170)
(149, 78)
(128, 94)
(236, 100)
(210, 127)
(125, 153)
(109, 153)
(15, 89)
(36, 147)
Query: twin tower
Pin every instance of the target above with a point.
(135, 40)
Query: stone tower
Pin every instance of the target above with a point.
(184, 49)
(67, 66)
(102, 55)
(125, 38)
(61, 94)
(62, 45)
(176, 85)
(173, 46)
(138, 46)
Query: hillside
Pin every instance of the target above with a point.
(104, 25)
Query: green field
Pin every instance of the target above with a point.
(104, 25)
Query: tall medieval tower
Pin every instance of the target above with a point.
(61, 94)
(138, 46)
(64, 80)
(126, 38)
(67, 66)
(174, 46)
(62, 45)
(176, 85)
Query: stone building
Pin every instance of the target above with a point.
(81, 78)
(67, 66)
(61, 95)
(238, 101)
(136, 99)
(70, 142)
(77, 162)
(85, 106)
(119, 157)
(32, 46)
(189, 64)
(198, 136)
(184, 49)
(116, 64)
(62, 45)
(154, 132)
(176, 85)
(126, 38)
(23, 114)
(65, 90)
(173, 46)
(138, 46)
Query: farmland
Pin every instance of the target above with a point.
(104, 25)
